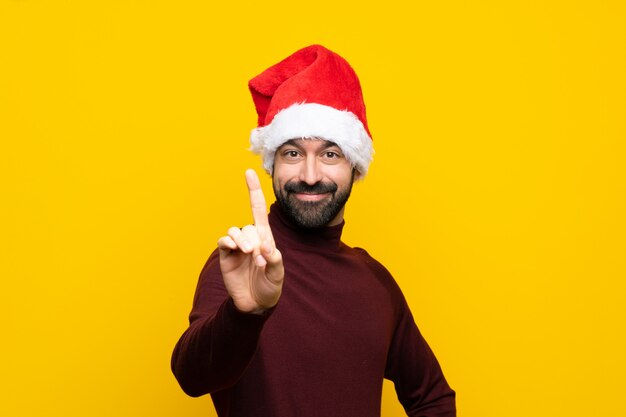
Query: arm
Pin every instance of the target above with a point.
(418, 378)
(239, 286)
(220, 342)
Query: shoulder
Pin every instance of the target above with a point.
(370, 261)
(379, 270)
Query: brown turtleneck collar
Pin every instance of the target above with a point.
(286, 232)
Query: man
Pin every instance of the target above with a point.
(287, 320)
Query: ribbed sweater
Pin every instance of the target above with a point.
(340, 327)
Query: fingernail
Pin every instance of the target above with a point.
(260, 261)
(246, 246)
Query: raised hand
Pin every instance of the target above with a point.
(251, 265)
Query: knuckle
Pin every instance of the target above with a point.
(233, 231)
(248, 229)
(225, 242)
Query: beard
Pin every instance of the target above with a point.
(312, 214)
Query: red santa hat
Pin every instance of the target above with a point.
(313, 93)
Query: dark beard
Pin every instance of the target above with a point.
(312, 214)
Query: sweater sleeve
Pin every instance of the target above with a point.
(411, 365)
(220, 341)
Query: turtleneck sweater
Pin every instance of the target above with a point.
(340, 327)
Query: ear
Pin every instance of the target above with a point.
(356, 175)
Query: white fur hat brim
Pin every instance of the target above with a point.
(312, 120)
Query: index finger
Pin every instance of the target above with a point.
(257, 201)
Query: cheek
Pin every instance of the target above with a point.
(341, 174)
(279, 178)
(284, 173)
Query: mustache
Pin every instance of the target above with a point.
(317, 188)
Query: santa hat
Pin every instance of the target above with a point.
(313, 93)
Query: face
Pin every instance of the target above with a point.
(312, 181)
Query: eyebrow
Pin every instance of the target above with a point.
(330, 144)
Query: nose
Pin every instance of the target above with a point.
(310, 171)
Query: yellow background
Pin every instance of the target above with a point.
(496, 198)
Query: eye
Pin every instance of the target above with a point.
(331, 155)
(290, 153)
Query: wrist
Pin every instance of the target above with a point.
(260, 311)
(256, 311)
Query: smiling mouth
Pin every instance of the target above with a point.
(310, 197)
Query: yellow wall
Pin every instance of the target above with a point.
(497, 195)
